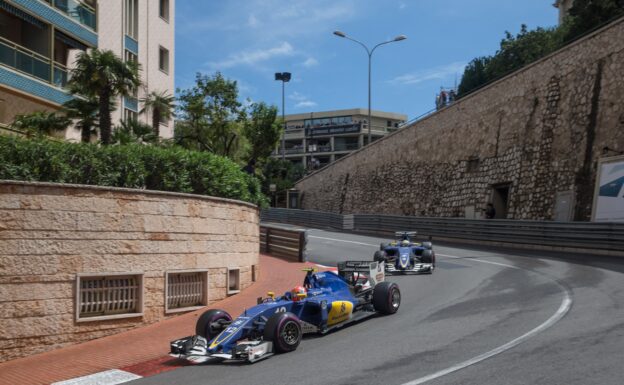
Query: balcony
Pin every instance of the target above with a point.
(345, 146)
(77, 10)
(333, 129)
(29, 62)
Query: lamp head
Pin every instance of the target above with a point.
(340, 33)
(400, 37)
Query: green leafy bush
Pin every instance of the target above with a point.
(133, 166)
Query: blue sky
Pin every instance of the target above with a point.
(249, 40)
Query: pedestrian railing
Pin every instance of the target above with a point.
(283, 243)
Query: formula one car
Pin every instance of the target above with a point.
(327, 301)
(405, 256)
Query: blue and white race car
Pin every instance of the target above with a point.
(326, 301)
(405, 256)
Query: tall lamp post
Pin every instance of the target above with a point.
(370, 55)
(284, 77)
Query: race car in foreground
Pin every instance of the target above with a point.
(326, 301)
(406, 256)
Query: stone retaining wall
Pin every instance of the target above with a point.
(540, 131)
(49, 233)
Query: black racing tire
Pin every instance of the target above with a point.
(386, 297)
(382, 246)
(427, 256)
(284, 330)
(380, 256)
(203, 326)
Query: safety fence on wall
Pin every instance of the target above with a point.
(603, 238)
(288, 244)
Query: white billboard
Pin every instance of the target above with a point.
(609, 193)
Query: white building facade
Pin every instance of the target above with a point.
(40, 40)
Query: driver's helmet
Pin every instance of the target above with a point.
(297, 292)
(405, 243)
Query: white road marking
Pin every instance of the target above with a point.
(342, 240)
(565, 306)
(109, 377)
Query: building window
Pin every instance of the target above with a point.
(164, 9)
(163, 60)
(186, 290)
(233, 281)
(388, 123)
(132, 19)
(131, 57)
(111, 296)
(130, 115)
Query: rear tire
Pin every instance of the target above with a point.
(284, 330)
(203, 326)
(386, 297)
(380, 256)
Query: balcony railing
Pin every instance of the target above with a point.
(77, 10)
(345, 146)
(32, 63)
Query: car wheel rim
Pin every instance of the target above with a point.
(290, 333)
(396, 299)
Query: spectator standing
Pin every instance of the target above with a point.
(490, 211)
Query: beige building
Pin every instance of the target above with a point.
(564, 7)
(40, 40)
(315, 139)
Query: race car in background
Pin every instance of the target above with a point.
(405, 255)
(326, 301)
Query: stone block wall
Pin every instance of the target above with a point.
(49, 233)
(540, 131)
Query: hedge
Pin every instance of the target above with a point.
(133, 166)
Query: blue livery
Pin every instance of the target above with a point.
(405, 256)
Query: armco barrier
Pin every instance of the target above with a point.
(598, 238)
(283, 243)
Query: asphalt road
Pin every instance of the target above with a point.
(483, 317)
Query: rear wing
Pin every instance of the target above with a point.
(350, 270)
(405, 234)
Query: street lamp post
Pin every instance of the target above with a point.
(284, 77)
(370, 55)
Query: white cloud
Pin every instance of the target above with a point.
(302, 100)
(402, 5)
(307, 103)
(251, 58)
(437, 73)
(252, 21)
(310, 62)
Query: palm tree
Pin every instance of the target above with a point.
(103, 75)
(85, 111)
(40, 123)
(161, 105)
(133, 131)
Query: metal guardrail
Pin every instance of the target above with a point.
(603, 238)
(283, 243)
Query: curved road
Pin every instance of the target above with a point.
(483, 317)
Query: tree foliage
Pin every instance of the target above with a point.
(262, 130)
(210, 116)
(160, 104)
(104, 76)
(528, 46)
(40, 123)
(282, 173)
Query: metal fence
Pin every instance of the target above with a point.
(283, 243)
(603, 238)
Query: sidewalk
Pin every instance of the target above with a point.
(143, 350)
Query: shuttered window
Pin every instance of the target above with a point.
(186, 290)
(109, 296)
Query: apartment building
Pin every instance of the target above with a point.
(316, 139)
(40, 40)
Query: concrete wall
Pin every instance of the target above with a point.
(49, 233)
(540, 131)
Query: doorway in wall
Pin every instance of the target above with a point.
(500, 199)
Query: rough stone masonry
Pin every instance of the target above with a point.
(535, 134)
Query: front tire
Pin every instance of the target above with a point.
(382, 246)
(284, 330)
(204, 327)
(386, 297)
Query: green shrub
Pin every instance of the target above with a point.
(133, 166)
